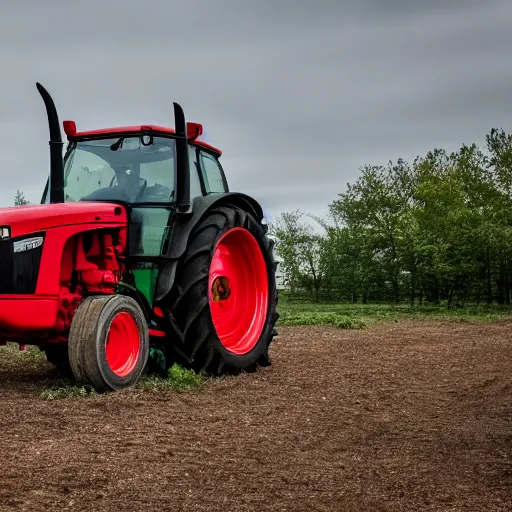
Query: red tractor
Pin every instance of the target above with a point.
(138, 256)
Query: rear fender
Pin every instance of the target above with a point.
(184, 224)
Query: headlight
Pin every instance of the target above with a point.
(5, 232)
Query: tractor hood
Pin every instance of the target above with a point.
(21, 220)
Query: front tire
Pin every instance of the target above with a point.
(223, 307)
(108, 342)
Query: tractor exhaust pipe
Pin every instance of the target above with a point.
(182, 166)
(56, 160)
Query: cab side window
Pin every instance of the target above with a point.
(195, 182)
(212, 173)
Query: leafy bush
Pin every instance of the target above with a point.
(179, 379)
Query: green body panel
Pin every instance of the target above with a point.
(145, 281)
(154, 232)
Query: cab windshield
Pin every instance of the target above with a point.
(131, 169)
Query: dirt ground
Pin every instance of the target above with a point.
(413, 416)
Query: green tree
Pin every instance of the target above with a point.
(300, 249)
(374, 205)
(20, 199)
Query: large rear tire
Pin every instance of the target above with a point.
(108, 342)
(223, 304)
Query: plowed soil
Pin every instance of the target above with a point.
(412, 416)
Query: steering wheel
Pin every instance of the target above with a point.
(140, 193)
(143, 184)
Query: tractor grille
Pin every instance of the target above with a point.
(19, 270)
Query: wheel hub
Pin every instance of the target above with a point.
(221, 289)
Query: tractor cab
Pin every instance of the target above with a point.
(138, 167)
(131, 169)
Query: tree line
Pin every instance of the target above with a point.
(437, 229)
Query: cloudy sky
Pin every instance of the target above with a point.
(298, 93)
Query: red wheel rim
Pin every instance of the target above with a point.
(238, 290)
(123, 344)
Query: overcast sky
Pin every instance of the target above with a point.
(298, 93)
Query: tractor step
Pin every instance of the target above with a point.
(155, 330)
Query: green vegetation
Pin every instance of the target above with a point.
(357, 316)
(179, 379)
(20, 199)
(31, 354)
(67, 389)
(437, 231)
(315, 314)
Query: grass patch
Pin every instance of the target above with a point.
(357, 316)
(320, 318)
(178, 379)
(31, 354)
(67, 389)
